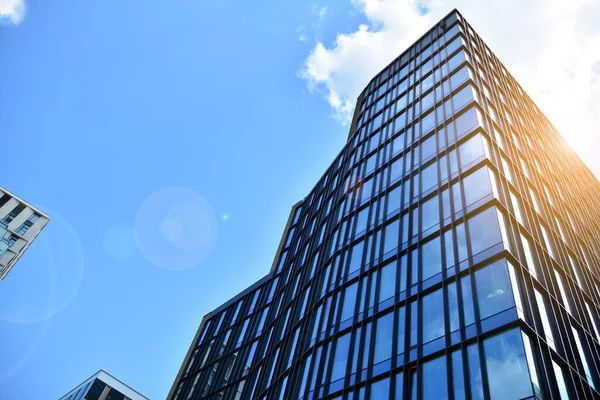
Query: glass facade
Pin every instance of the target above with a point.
(451, 251)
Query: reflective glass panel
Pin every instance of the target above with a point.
(484, 230)
(433, 316)
(494, 292)
(384, 338)
(471, 150)
(341, 355)
(506, 362)
(431, 257)
(380, 390)
(477, 185)
(435, 386)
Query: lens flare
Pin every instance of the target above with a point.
(176, 228)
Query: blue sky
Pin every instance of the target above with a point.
(104, 103)
(115, 112)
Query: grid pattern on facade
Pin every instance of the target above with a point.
(451, 247)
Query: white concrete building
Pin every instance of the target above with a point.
(20, 224)
(103, 386)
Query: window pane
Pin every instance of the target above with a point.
(461, 241)
(506, 169)
(403, 272)
(548, 242)
(367, 188)
(505, 361)
(433, 316)
(484, 230)
(561, 289)
(592, 320)
(341, 355)
(475, 372)
(544, 317)
(456, 197)
(453, 306)
(416, 187)
(426, 83)
(431, 213)
(377, 122)
(467, 300)
(471, 151)
(405, 230)
(529, 257)
(414, 322)
(477, 185)
(393, 200)
(428, 122)
(531, 363)
(414, 266)
(428, 147)
(516, 208)
(457, 376)
(356, 257)
(435, 386)
(429, 177)
(459, 77)
(467, 121)
(383, 339)
(397, 169)
(400, 386)
(583, 358)
(431, 257)
(494, 292)
(456, 60)
(449, 248)
(455, 30)
(413, 385)
(560, 381)
(388, 282)
(398, 144)
(371, 163)
(349, 301)
(446, 212)
(401, 329)
(361, 220)
(391, 236)
(463, 97)
(381, 390)
(454, 44)
(399, 122)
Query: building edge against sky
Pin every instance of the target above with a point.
(452, 247)
(20, 224)
(103, 386)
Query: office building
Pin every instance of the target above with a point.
(450, 251)
(103, 386)
(20, 224)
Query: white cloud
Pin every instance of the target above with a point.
(316, 26)
(319, 11)
(12, 11)
(550, 46)
(301, 31)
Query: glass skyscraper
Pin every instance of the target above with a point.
(450, 251)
